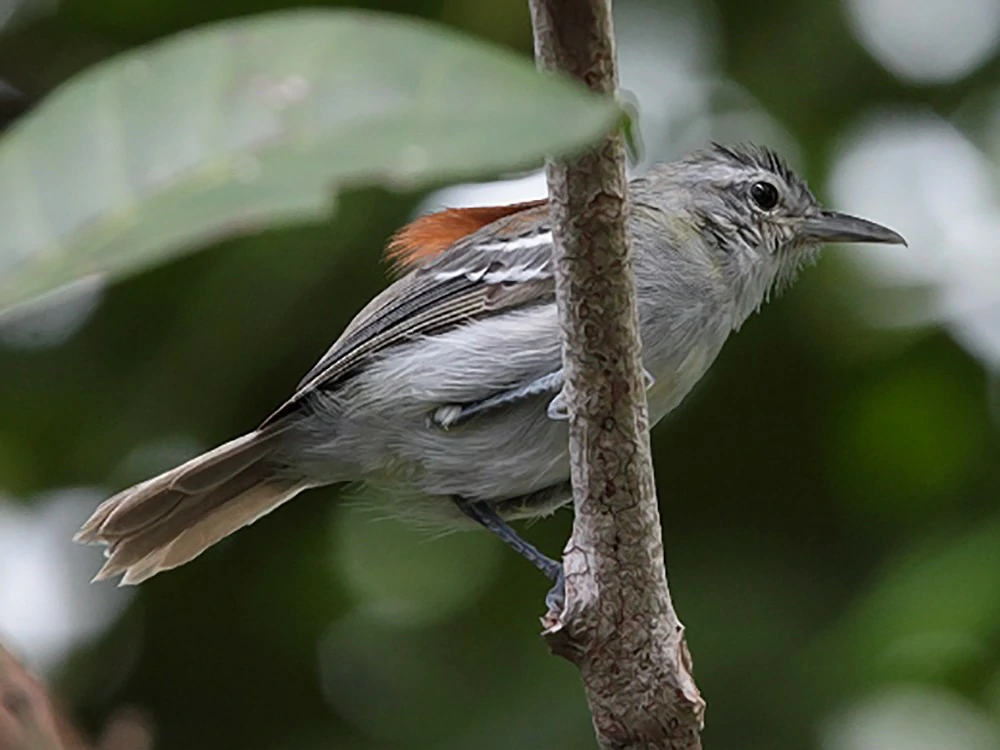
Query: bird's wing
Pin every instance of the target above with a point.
(500, 267)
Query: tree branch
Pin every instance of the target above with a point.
(31, 720)
(618, 624)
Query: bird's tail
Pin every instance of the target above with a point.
(171, 519)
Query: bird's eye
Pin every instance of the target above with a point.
(764, 194)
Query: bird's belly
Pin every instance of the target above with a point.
(387, 439)
(378, 427)
(516, 450)
(509, 453)
(416, 470)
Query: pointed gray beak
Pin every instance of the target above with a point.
(831, 226)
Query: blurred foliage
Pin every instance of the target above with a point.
(829, 491)
(259, 122)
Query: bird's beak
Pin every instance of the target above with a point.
(831, 226)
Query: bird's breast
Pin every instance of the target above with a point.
(674, 378)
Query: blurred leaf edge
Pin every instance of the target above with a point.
(110, 175)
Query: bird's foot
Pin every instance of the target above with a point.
(555, 600)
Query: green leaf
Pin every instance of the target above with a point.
(635, 149)
(259, 122)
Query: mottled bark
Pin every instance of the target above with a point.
(618, 624)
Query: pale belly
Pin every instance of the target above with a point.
(386, 439)
(509, 454)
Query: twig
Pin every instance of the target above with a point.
(618, 624)
(30, 719)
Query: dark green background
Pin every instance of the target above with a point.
(829, 491)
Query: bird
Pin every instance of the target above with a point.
(444, 393)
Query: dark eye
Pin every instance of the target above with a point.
(764, 194)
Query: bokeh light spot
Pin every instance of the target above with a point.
(927, 41)
(47, 604)
(924, 178)
(912, 718)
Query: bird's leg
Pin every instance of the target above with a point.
(452, 415)
(488, 518)
(559, 411)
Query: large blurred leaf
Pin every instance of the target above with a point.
(254, 122)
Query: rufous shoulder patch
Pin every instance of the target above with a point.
(431, 235)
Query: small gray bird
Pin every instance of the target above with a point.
(445, 391)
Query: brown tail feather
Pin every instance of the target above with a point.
(171, 519)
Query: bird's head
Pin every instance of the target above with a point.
(753, 213)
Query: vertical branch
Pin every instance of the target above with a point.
(618, 624)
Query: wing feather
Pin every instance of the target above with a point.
(505, 265)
